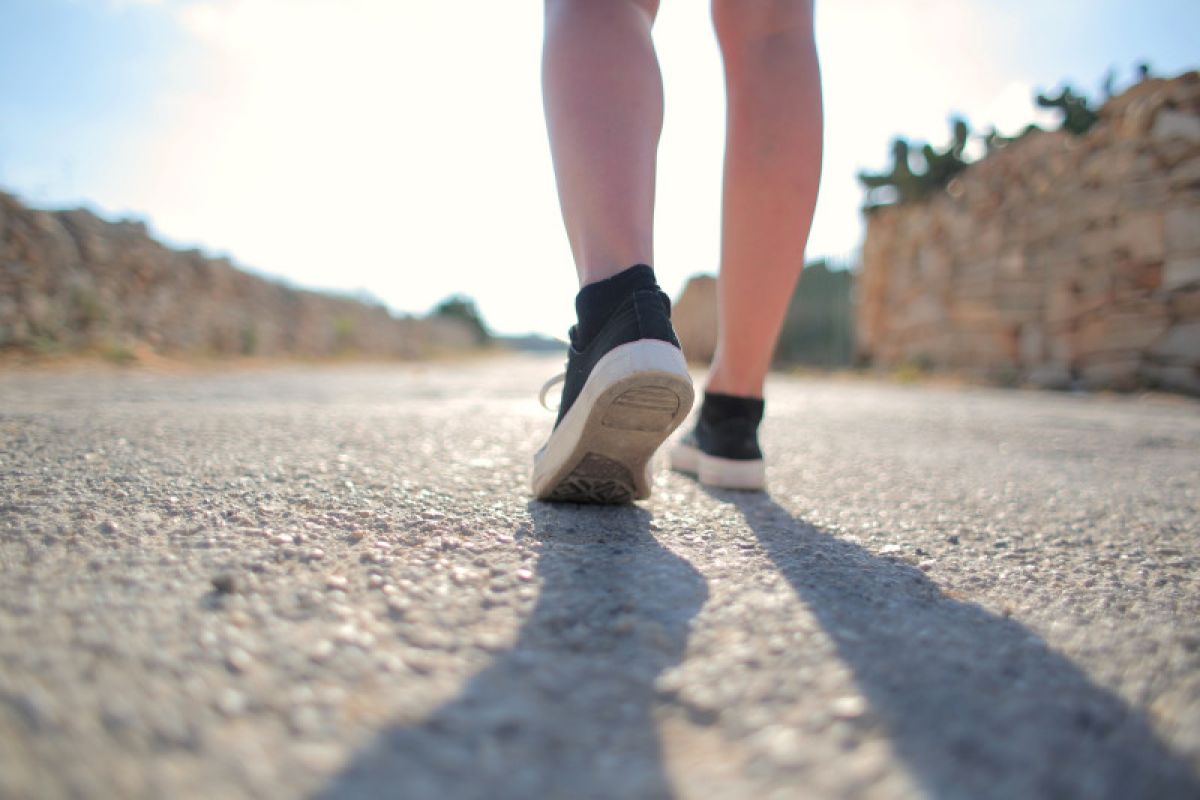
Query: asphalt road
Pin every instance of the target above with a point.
(332, 582)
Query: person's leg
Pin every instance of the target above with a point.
(772, 168)
(626, 385)
(604, 107)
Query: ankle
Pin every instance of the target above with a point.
(717, 409)
(738, 384)
(596, 302)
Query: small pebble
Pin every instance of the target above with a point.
(231, 702)
(347, 634)
(849, 707)
(238, 660)
(305, 719)
(225, 583)
(392, 663)
(108, 526)
(322, 650)
(336, 582)
(525, 574)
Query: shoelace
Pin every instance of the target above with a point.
(547, 386)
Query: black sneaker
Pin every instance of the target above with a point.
(722, 450)
(624, 391)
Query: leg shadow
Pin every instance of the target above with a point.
(569, 710)
(976, 705)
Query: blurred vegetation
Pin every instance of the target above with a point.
(819, 327)
(463, 308)
(343, 335)
(937, 168)
(903, 184)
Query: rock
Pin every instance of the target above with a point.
(1120, 373)
(1057, 261)
(81, 281)
(1181, 343)
(231, 702)
(1171, 124)
(238, 660)
(37, 708)
(1140, 234)
(1183, 230)
(1180, 271)
(225, 583)
(1050, 376)
(1173, 378)
(848, 707)
(694, 315)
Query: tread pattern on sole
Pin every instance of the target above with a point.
(645, 408)
(596, 479)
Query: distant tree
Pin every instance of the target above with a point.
(819, 326)
(461, 307)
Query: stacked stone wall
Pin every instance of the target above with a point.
(71, 280)
(1058, 260)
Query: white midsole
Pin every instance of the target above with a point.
(651, 358)
(724, 473)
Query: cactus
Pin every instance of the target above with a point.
(907, 185)
(1078, 116)
(993, 140)
(901, 180)
(903, 185)
(941, 167)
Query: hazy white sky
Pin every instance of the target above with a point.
(398, 146)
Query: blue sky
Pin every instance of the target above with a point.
(397, 146)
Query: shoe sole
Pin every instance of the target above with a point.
(721, 473)
(636, 396)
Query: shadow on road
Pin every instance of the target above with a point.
(568, 711)
(975, 704)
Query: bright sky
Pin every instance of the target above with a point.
(398, 146)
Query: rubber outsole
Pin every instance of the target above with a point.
(636, 396)
(721, 473)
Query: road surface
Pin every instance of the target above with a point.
(331, 582)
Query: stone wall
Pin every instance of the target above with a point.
(70, 280)
(1058, 260)
(694, 316)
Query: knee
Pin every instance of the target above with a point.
(746, 24)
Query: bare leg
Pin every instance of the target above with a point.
(604, 107)
(772, 168)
